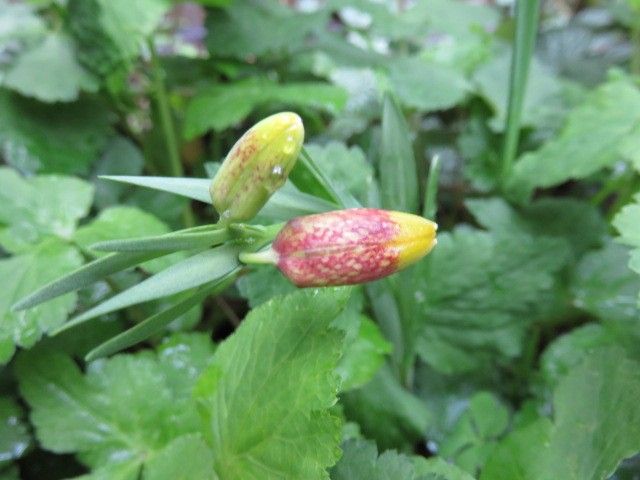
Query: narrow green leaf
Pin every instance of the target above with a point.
(525, 38)
(336, 192)
(397, 165)
(84, 276)
(169, 242)
(194, 271)
(157, 322)
(431, 192)
(195, 188)
(289, 202)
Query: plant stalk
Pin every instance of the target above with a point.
(527, 12)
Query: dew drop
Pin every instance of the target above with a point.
(277, 171)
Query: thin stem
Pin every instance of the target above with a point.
(431, 192)
(525, 35)
(168, 125)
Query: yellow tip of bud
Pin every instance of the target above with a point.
(416, 238)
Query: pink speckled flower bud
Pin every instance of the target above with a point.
(349, 246)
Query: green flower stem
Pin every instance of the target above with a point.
(168, 126)
(527, 12)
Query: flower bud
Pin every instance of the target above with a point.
(350, 246)
(256, 166)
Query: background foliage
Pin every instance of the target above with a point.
(511, 352)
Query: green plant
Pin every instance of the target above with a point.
(139, 339)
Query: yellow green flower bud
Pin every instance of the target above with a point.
(256, 166)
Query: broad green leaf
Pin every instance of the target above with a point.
(347, 166)
(596, 424)
(571, 349)
(120, 157)
(475, 434)
(21, 275)
(154, 324)
(112, 33)
(185, 458)
(194, 271)
(541, 99)
(604, 286)
(61, 138)
(578, 222)
(426, 86)
(36, 207)
(396, 163)
(364, 355)
(386, 411)
(20, 24)
(221, 106)
(280, 361)
(249, 28)
(478, 292)
(588, 142)
(454, 18)
(627, 222)
(262, 284)
(360, 461)
(118, 414)
(65, 77)
(14, 434)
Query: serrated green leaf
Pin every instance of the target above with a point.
(627, 223)
(185, 458)
(604, 286)
(112, 33)
(65, 76)
(36, 207)
(364, 355)
(397, 164)
(154, 324)
(118, 414)
(14, 435)
(262, 284)
(596, 425)
(386, 411)
(194, 271)
(588, 142)
(22, 274)
(577, 222)
(221, 106)
(477, 293)
(281, 361)
(360, 461)
(474, 436)
(61, 138)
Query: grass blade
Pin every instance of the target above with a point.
(85, 276)
(192, 272)
(397, 164)
(155, 323)
(168, 242)
(527, 12)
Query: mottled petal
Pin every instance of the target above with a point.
(351, 246)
